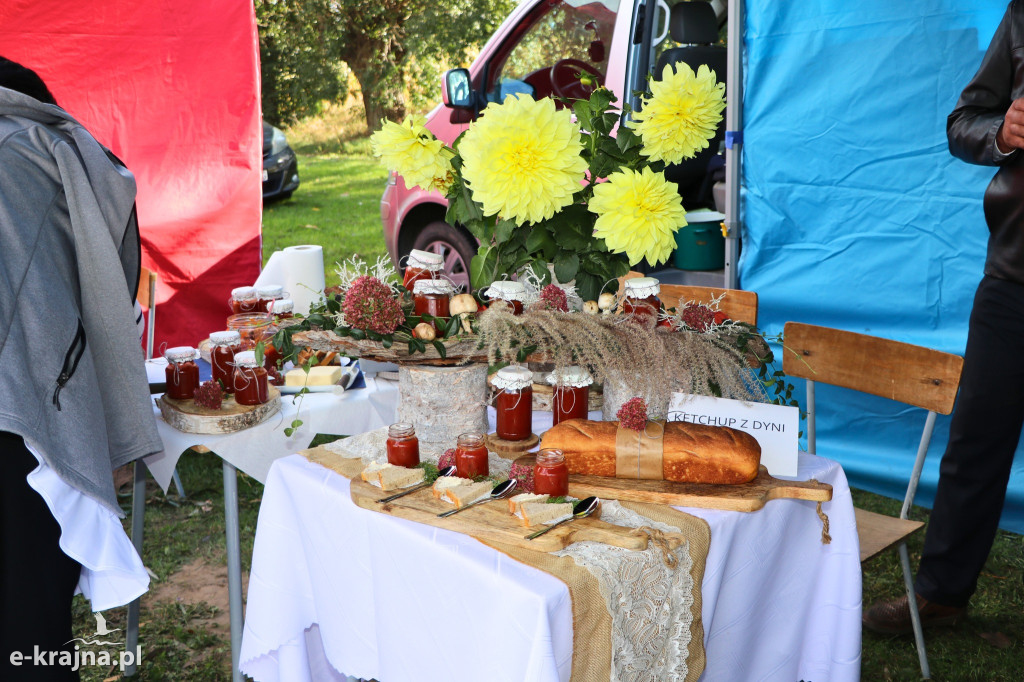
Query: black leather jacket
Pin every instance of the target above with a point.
(971, 130)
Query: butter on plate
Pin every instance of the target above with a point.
(318, 376)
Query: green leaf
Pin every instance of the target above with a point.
(387, 341)
(259, 353)
(567, 264)
(588, 286)
(439, 347)
(540, 242)
(482, 267)
(358, 334)
(540, 269)
(503, 231)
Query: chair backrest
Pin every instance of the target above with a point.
(146, 296)
(738, 304)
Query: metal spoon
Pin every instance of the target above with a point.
(447, 471)
(501, 491)
(580, 510)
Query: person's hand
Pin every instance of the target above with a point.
(1011, 133)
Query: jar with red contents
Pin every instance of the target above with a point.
(422, 265)
(512, 293)
(223, 347)
(514, 403)
(244, 300)
(471, 456)
(268, 296)
(550, 474)
(284, 309)
(432, 297)
(182, 373)
(642, 302)
(250, 380)
(403, 446)
(571, 393)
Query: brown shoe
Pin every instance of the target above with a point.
(893, 617)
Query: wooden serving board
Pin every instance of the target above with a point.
(746, 497)
(186, 416)
(492, 521)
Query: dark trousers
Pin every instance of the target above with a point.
(37, 580)
(983, 436)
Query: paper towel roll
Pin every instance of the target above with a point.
(300, 270)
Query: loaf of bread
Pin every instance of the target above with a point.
(692, 453)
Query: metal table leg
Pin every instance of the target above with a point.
(234, 564)
(138, 515)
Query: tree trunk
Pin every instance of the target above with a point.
(379, 67)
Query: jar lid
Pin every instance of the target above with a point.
(181, 354)
(243, 292)
(247, 358)
(270, 291)
(573, 377)
(284, 305)
(226, 338)
(642, 287)
(507, 290)
(513, 378)
(425, 260)
(433, 286)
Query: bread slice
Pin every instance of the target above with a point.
(396, 477)
(515, 503)
(445, 483)
(461, 495)
(536, 513)
(370, 472)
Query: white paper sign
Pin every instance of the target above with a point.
(776, 427)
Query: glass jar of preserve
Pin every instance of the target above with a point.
(642, 302)
(571, 394)
(182, 373)
(284, 309)
(403, 446)
(422, 265)
(471, 456)
(268, 296)
(244, 300)
(250, 380)
(514, 403)
(223, 346)
(432, 297)
(550, 474)
(512, 293)
(252, 328)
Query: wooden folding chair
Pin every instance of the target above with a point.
(903, 372)
(146, 297)
(738, 304)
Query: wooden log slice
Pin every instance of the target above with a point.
(442, 402)
(510, 449)
(186, 416)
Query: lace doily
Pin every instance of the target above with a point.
(650, 604)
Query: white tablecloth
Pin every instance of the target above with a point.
(255, 448)
(337, 588)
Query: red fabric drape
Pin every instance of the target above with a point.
(172, 88)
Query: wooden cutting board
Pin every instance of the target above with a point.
(746, 497)
(492, 521)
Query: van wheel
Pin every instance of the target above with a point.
(453, 245)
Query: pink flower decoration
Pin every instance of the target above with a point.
(553, 297)
(370, 305)
(447, 459)
(698, 317)
(633, 415)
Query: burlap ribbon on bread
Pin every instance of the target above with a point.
(639, 454)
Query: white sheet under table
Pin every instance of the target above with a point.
(334, 587)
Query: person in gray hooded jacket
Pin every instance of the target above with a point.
(74, 397)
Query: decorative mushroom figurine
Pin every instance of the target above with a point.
(463, 306)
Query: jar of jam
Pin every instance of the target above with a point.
(550, 474)
(403, 446)
(268, 295)
(223, 346)
(244, 300)
(182, 373)
(284, 309)
(432, 297)
(252, 328)
(514, 403)
(471, 456)
(571, 394)
(250, 380)
(642, 302)
(512, 293)
(422, 265)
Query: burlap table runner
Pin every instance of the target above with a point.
(592, 624)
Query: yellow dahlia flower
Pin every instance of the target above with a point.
(412, 151)
(521, 159)
(681, 114)
(638, 214)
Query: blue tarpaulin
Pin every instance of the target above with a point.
(855, 214)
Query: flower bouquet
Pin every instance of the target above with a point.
(540, 183)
